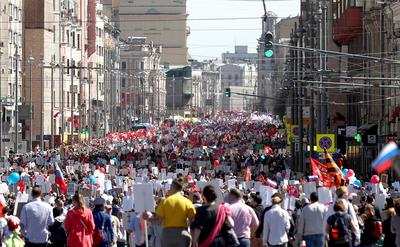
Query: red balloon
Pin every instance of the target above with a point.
(102, 170)
(216, 162)
(189, 178)
(375, 179)
(350, 173)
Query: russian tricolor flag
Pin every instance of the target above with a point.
(60, 180)
(272, 183)
(384, 161)
(312, 178)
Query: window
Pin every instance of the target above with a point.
(54, 33)
(123, 82)
(73, 38)
(78, 40)
(68, 37)
(54, 5)
(123, 66)
(10, 10)
(67, 66)
(19, 15)
(10, 36)
(142, 65)
(67, 99)
(15, 13)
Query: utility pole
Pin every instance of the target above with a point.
(72, 104)
(16, 100)
(52, 64)
(30, 61)
(89, 130)
(80, 106)
(1, 109)
(323, 96)
(62, 108)
(41, 63)
(173, 97)
(97, 104)
(301, 95)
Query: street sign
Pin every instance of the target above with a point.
(306, 115)
(351, 131)
(371, 139)
(325, 141)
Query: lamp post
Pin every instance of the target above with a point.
(1, 110)
(16, 100)
(300, 32)
(41, 64)
(30, 61)
(53, 65)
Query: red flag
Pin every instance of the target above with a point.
(21, 186)
(320, 170)
(315, 165)
(247, 177)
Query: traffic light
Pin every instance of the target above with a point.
(268, 45)
(227, 92)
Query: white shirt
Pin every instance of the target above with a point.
(36, 217)
(276, 226)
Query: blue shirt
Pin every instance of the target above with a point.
(36, 217)
(99, 217)
(134, 225)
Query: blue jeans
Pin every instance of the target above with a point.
(244, 242)
(316, 240)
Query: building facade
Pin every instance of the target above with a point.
(241, 55)
(161, 21)
(241, 79)
(143, 85)
(11, 72)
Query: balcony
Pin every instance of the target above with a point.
(348, 26)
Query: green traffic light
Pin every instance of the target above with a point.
(358, 137)
(268, 53)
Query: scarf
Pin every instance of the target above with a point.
(219, 222)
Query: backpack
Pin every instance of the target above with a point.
(340, 230)
(377, 232)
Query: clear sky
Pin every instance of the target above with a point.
(210, 38)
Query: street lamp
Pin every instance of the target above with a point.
(53, 65)
(30, 62)
(41, 64)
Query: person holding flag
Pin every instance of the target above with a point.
(60, 179)
(333, 169)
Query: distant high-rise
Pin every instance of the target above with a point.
(160, 21)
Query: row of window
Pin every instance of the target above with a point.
(14, 12)
(70, 37)
(14, 38)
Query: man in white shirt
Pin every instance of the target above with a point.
(36, 217)
(311, 223)
(276, 225)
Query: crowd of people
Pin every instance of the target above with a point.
(221, 181)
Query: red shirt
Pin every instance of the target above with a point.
(79, 225)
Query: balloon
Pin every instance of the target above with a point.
(216, 162)
(350, 173)
(102, 170)
(345, 170)
(375, 179)
(112, 162)
(357, 183)
(352, 179)
(13, 178)
(92, 180)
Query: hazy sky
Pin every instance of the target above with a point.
(210, 38)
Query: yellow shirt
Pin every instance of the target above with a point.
(175, 210)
